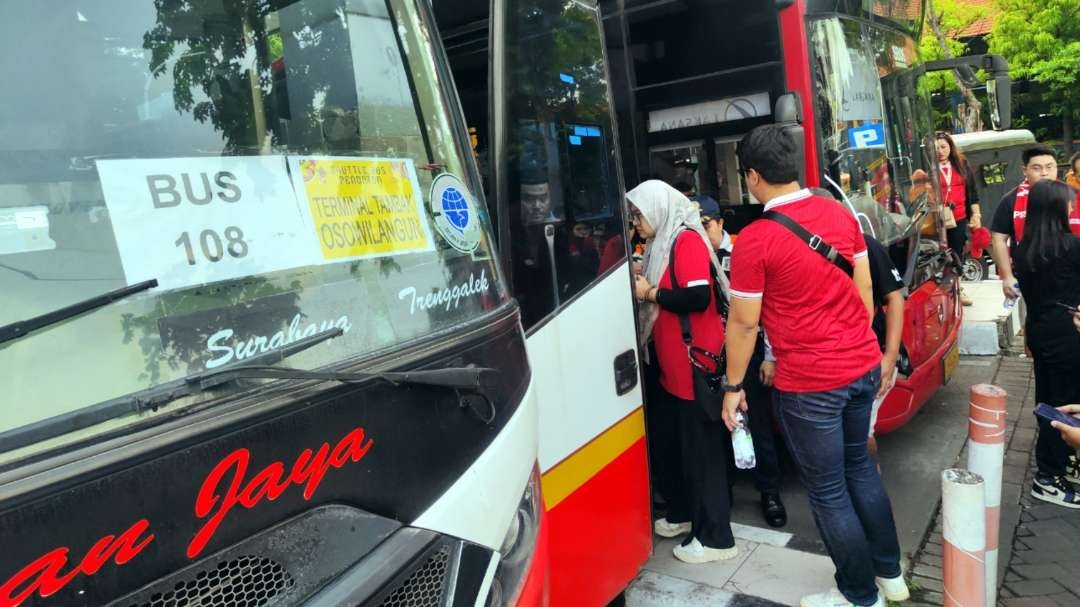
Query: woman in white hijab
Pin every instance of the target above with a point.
(667, 212)
(699, 506)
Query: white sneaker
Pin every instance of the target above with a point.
(665, 529)
(893, 588)
(833, 598)
(694, 553)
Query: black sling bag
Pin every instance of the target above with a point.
(814, 241)
(708, 394)
(833, 256)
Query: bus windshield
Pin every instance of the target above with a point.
(280, 168)
(875, 125)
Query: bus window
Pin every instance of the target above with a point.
(279, 168)
(566, 216)
(868, 108)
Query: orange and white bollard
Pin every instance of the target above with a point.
(963, 493)
(986, 456)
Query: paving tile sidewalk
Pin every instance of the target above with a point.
(1039, 542)
(1043, 566)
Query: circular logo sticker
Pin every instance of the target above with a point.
(455, 213)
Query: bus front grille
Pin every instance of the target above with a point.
(247, 581)
(426, 587)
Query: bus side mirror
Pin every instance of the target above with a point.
(999, 92)
(998, 86)
(787, 112)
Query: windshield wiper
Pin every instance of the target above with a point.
(22, 328)
(472, 380)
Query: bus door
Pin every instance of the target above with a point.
(561, 206)
(533, 81)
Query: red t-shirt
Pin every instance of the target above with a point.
(954, 188)
(692, 268)
(817, 323)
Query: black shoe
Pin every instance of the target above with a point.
(773, 510)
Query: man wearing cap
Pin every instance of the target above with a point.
(759, 379)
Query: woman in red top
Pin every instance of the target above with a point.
(671, 225)
(959, 193)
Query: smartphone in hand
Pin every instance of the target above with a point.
(1047, 412)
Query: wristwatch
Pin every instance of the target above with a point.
(729, 388)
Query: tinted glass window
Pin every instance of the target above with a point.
(280, 167)
(905, 14)
(566, 205)
(675, 40)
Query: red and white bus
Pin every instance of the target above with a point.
(259, 337)
(256, 345)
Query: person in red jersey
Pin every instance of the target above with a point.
(802, 272)
(1007, 227)
(678, 275)
(960, 195)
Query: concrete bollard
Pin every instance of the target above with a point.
(986, 456)
(963, 493)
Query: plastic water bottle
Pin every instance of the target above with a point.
(1010, 303)
(743, 444)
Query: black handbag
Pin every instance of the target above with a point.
(706, 368)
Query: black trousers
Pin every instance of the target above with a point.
(957, 237)
(665, 456)
(1055, 387)
(704, 447)
(759, 401)
(662, 436)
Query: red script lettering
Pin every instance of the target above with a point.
(224, 488)
(44, 576)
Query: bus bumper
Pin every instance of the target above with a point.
(911, 393)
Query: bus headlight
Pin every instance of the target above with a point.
(516, 552)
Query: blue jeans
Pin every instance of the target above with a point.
(826, 435)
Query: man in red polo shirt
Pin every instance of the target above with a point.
(828, 365)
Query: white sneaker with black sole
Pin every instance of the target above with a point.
(663, 528)
(1055, 490)
(695, 553)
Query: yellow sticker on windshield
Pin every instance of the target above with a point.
(364, 207)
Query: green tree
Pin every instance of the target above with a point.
(945, 19)
(1041, 41)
